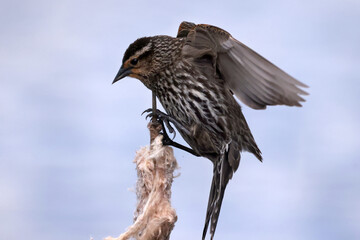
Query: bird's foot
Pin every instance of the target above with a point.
(160, 117)
(165, 119)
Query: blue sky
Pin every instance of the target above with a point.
(68, 137)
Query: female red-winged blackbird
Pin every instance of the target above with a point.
(195, 76)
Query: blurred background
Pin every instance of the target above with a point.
(68, 137)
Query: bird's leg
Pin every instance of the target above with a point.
(169, 142)
(165, 119)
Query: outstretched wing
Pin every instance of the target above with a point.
(253, 79)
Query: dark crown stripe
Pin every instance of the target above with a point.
(136, 46)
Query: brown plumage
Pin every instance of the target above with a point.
(195, 76)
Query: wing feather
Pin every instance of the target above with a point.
(253, 79)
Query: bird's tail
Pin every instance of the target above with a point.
(223, 172)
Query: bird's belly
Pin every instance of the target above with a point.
(194, 133)
(200, 113)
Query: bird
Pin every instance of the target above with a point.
(197, 77)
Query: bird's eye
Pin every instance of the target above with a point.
(134, 61)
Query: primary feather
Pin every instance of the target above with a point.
(253, 79)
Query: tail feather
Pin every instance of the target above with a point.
(210, 205)
(222, 174)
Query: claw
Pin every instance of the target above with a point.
(163, 118)
(149, 115)
(171, 129)
(146, 111)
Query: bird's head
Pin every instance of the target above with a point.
(137, 61)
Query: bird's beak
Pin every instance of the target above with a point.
(123, 72)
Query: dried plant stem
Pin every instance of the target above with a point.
(154, 217)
